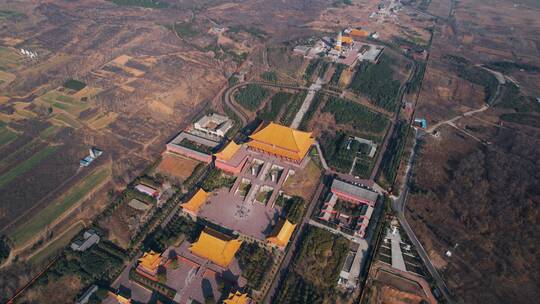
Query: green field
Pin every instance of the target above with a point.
(74, 85)
(6, 135)
(49, 131)
(8, 14)
(56, 245)
(25, 166)
(69, 121)
(65, 103)
(47, 215)
(16, 155)
(9, 59)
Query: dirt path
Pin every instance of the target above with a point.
(454, 119)
(56, 238)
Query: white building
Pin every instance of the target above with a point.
(214, 124)
(90, 237)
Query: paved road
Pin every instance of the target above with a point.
(230, 105)
(293, 247)
(399, 207)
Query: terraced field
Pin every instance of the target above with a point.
(9, 58)
(5, 134)
(25, 166)
(54, 210)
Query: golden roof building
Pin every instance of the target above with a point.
(346, 40)
(228, 152)
(282, 141)
(359, 33)
(195, 203)
(216, 247)
(237, 298)
(282, 233)
(149, 262)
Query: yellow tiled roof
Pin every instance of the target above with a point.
(122, 300)
(150, 260)
(346, 39)
(228, 152)
(237, 298)
(195, 203)
(215, 247)
(361, 33)
(283, 141)
(281, 237)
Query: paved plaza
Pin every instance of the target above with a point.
(244, 214)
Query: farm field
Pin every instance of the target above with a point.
(9, 58)
(54, 210)
(6, 135)
(25, 166)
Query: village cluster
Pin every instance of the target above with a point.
(346, 48)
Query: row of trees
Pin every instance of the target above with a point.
(217, 179)
(294, 106)
(274, 107)
(251, 96)
(315, 269)
(294, 208)
(377, 83)
(334, 80)
(338, 150)
(317, 100)
(355, 115)
(5, 249)
(102, 261)
(477, 75)
(255, 261)
(392, 155)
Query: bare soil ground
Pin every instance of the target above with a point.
(387, 286)
(176, 166)
(122, 224)
(58, 291)
(304, 182)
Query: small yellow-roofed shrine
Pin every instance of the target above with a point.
(195, 203)
(122, 299)
(216, 247)
(347, 39)
(359, 33)
(237, 298)
(150, 261)
(282, 233)
(228, 152)
(282, 141)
